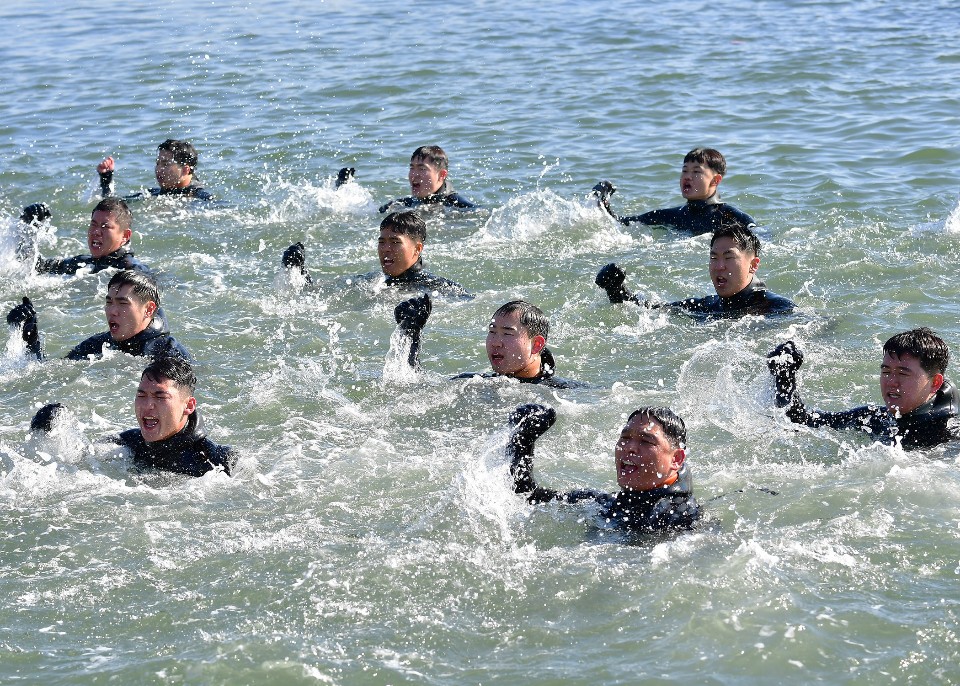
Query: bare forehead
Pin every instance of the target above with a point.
(507, 320)
(103, 217)
(120, 290)
(643, 424)
(148, 385)
(725, 244)
(902, 361)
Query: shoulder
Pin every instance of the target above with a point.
(92, 346)
(728, 209)
(131, 438)
(458, 201)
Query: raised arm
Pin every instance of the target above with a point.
(411, 316)
(25, 317)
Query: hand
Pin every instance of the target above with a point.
(530, 422)
(785, 359)
(345, 175)
(611, 277)
(27, 316)
(412, 314)
(35, 213)
(45, 417)
(604, 190)
(106, 167)
(294, 256)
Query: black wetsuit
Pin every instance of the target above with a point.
(667, 507)
(191, 191)
(445, 197)
(925, 427)
(188, 452)
(121, 258)
(546, 375)
(696, 217)
(154, 341)
(755, 299)
(418, 279)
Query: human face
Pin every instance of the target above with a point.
(904, 384)
(126, 316)
(170, 174)
(425, 179)
(698, 182)
(511, 349)
(162, 408)
(731, 269)
(645, 458)
(397, 252)
(105, 235)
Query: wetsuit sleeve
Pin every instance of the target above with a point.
(529, 422)
(56, 265)
(24, 316)
(106, 183)
(460, 202)
(92, 347)
(663, 217)
(411, 316)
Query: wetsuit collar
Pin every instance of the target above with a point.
(700, 206)
(136, 344)
(548, 368)
(745, 297)
(945, 403)
(408, 275)
(440, 195)
(682, 486)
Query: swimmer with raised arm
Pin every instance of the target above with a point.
(734, 261)
(175, 171)
(400, 250)
(656, 486)
(703, 169)
(516, 342)
(920, 404)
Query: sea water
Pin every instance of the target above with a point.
(370, 534)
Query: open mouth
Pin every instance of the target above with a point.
(149, 423)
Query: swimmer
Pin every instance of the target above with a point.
(171, 434)
(175, 171)
(919, 402)
(429, 185)
(132, 312)
(703, 169)
(734, 260)
(399, 248)
(516, 341)
(108, 238)
(656, 486)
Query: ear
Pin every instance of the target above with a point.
(679, 455)
(937, 382)
(191, 406)
(442, 175)
(150, 310)
(716, 180)
(419, 248)
(539, 343)
(127, 234)
(754, 265)
(187, 170)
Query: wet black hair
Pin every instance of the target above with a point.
(742, 236)
(183, 152)
(673, 427)
(173, 368)
(532, 318)
(709, 157)
(923, 344)
(145, 287)
(118, 209)
(432, 154)
(407, 223)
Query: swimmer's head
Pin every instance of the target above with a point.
(650, 450)
(165, 399)
(912, 369)
(402, 235)
(176, 164)
(734, 258)
(703, 169)
(428, 170)
(109, 228)
(131, 301)
(516, 337)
